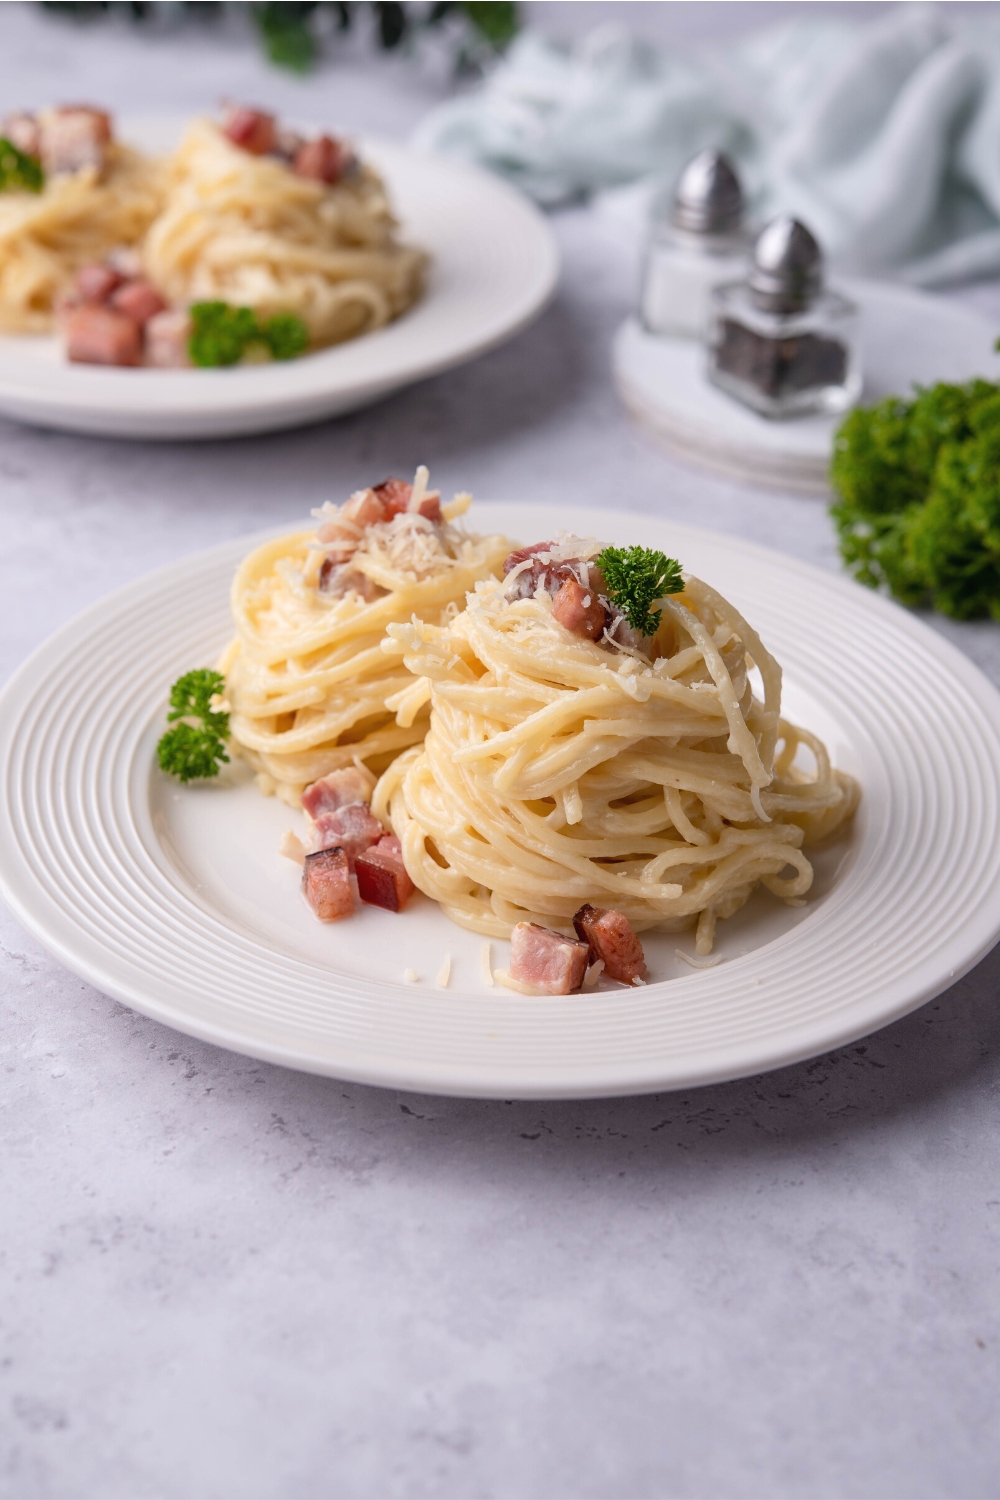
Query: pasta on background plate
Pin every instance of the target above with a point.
(250, 242)
(245, 229)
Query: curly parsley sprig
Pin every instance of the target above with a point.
(191, 751)
(635, 577)
(18, 170)
(221, 334)
(918, 497)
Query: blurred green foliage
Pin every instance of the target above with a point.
(919, 497)
(291, 32)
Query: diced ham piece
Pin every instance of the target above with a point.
(338, 789)
(250, 129)
(139, 300)
(74, 136)
(546, 960)
(552, 575)
(395, 496)
(167, 336)
(323, 159)
(22, 130)
(364, 508)
(100, 336)
(96, 283)
(579, 610)
(338, 579)
(382, 877)
(522, 554)
(611, 938)
(430, 507)
(326, 883)
(353, 828)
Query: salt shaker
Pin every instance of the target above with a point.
(779, 342)
(697, 240)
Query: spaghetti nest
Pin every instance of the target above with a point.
(247, 230)
(556, 771)
(75, 220)
(309, 688)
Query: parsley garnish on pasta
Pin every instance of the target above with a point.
(221, 334)
(196, 746)
(17, 170)
(635, 578)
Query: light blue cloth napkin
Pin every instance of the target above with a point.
(884, 137)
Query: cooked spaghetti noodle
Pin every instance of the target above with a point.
(76, 219)
(247, 230)
(308, 686)
(557, 770)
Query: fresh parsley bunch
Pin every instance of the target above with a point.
(18, 170)
(634, 578)
(221, 334)
(919, 497)
(192, 750)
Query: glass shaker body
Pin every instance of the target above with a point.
(785, 364)
(681, 271)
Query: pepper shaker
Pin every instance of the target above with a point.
(778, 341)
(697, 240)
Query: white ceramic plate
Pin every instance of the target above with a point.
(908, 337)
(175, 900)
(494, 266)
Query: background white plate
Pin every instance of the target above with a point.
(494, 265)
(907, 338)
(175, 901)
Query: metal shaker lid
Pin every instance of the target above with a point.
(708, 198)
(786, 274)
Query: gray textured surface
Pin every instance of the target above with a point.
(220, 1278)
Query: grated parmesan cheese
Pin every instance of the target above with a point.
(411, 976)
(486, 963)
(292, 847)
(444, 973)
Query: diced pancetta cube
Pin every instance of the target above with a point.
(100, 336)
(546, 960)
(579, 610)
(326, 883)
(551, 575)
(338, 789)
(167, 338)
(338, 579)
(382, 877)
(611, 938)
(74, 136)
(250, 129)
(323, 159)
(95, 283)
(139, 300)
(353, 828)
(395, 496)
(22, 130)
(523, 554)
(344, 531)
